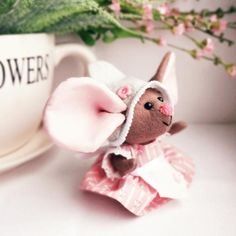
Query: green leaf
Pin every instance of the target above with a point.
(80, 22)
(6, 6)
(109, 37)
(87, 38)
(10, 20)
(34, 16)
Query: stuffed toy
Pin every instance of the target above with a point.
(122, 120)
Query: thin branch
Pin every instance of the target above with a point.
(205, 12)
(232, 25)
(220, 37)
(192, 39)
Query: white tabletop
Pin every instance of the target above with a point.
(42, 197)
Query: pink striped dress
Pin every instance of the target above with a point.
(137, 191)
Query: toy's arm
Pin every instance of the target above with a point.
(121, 164)
(118, 162)
(177, 127)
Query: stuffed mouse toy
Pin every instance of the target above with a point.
(122, 120)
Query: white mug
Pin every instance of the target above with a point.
(26, 74)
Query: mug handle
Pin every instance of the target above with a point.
(84, 54)
(81, 52)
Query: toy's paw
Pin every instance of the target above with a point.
(122, 165)
(177, 127)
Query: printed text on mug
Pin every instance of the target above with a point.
(25, 70)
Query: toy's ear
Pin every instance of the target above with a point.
(82, 113)
(167, 75)
(104, 72)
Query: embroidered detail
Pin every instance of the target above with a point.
(124, 92)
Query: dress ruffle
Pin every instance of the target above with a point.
(132, 191)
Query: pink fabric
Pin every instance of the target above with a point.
(82, 113)
(132, 191)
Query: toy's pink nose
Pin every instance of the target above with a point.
(166, 109)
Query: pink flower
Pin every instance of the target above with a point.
(147, 12)
(174, 12)
(162, 41)
(124, 92)
(208, 46)
(149, 26)
(213, 18)
(188, 23)
(147, 18)
(198, 54)
(179, 29)
(115, 6)
(166, 109)
(231, 70)
(164, 9)
(218, 26)
(189, 26)
(189, 17)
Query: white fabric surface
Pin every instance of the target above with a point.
(42, 198)
(159, 174)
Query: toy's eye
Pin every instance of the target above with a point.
(161, 99)
(148, 105)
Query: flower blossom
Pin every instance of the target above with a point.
(198, 54)
(149, 26)
(148, 18)
(174, 12)
(179, 29)
(188, 26)
(231, 70)
(218, 26)
(161, 41)
(213, 18)
(115, 6)
(164, 9)
(147, 12)
(208, 46)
